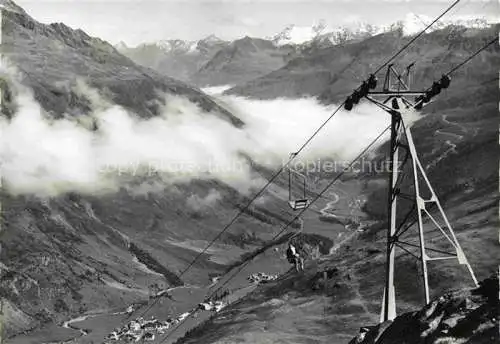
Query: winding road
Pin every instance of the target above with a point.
(67, 324)
(451, 145)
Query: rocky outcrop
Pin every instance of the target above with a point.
(462, 316)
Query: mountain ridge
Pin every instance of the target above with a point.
(189, 62)
(92, 58)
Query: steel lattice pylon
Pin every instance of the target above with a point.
(423, 196)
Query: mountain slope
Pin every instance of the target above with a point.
(242, 60)
(51, 57)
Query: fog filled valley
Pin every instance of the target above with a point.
(133, 206)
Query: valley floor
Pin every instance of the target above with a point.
(326, 218)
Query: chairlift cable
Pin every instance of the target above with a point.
(460, 65)
(242, 266)
(326, 188)
(306, 143)
(302, 148)
(242, 210)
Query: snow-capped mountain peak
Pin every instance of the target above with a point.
(293, 34)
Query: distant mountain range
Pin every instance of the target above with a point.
(411, 24)
(212, 61)
(175, 57)
(179, 46)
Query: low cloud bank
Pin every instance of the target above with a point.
(46, 157)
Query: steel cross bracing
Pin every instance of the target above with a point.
(423, 197)
(402, 80)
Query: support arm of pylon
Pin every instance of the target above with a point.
(460, 254)
(420, 207)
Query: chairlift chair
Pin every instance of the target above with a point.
(297, 203)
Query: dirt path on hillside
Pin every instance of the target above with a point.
(451, 145)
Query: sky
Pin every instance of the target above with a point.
(140, 21)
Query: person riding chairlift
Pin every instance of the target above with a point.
(294, 258)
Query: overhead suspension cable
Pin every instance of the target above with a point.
(242, 266)
(242, 210)
(233, 220)
(435, 89)
(454, 69)
(289, 223)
